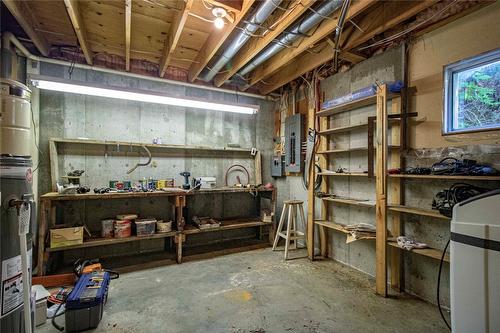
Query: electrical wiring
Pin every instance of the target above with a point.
(439, 284)
(404, 32)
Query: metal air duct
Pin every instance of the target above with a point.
(298, 30)
(258, 18)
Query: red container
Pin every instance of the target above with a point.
(123, 228)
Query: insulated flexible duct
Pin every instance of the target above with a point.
(258, 18)
(297, 31)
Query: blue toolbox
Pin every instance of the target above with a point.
(85, 304)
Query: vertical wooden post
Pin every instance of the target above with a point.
(54, 165)
(381, 188)
(310, 191)
(258, 168)
(323, 164)
(42, 229)
(395, 194)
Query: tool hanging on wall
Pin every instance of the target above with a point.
(142, 164)
(236, 167)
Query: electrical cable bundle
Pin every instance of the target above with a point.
(458, 192)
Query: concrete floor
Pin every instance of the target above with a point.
(258, 292)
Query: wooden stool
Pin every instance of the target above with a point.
(292, 234)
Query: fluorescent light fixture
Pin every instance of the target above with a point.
(77, 88)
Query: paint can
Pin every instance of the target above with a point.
(107, 228)
(129, 217)
(123, 228)
(162, 227)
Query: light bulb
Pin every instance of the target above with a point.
(219, 22)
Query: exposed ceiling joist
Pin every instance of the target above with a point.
(323, 31)
(75, 15)
(255, 45)
(352, 57)
(25, 18)
(215, 41)
(383, 17)
(174, 35)
(229, 5)
(128, 30)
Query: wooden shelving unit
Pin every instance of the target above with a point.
(175, 197)
(325, 155)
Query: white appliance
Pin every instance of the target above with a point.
(475, 265)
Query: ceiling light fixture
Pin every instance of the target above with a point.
(74, 87)
(219, 14)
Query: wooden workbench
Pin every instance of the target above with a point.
(175, 197)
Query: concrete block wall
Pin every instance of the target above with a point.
(65, 115)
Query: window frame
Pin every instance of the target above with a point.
(449, 72)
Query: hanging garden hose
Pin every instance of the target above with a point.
(142, 164)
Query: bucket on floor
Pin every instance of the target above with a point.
(145, 227)
(163, 227)
(107, 228)
(123, 228)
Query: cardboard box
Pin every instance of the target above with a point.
(266, 216)
(66, 237)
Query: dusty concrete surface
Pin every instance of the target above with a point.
(258, 292)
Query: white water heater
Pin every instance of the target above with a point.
(475, 265)
(15, 118)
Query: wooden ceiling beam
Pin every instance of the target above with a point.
(229, 5)
(385, 16)
(75, 16)
(23, 15)
(324, 30)
(255, 45)
(174, 35)
(215, 41)
(128, 31)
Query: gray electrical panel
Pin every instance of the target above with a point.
(278, 166)
(293, 141)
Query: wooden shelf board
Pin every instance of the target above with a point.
(370, 100)
(349, 128)
(227, 225)
(343, 174)
(335, 151)
(417, 211)
(174, 192)
(125, 145)
(351, 202)
(331, 225)
(110, 241)
(447, 177)
(342, 129)
(428, 252)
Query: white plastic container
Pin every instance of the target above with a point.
(475, 265)
(15, 118)
(163, 227)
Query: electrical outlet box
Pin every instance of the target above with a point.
(278, 166)
(293, 142)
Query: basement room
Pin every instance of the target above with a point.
(250, 166)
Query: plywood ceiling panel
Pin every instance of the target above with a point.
(53, 22)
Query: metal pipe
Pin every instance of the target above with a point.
(338, 32)
(259, 17)
(298, 30)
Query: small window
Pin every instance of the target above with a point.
(472, 94)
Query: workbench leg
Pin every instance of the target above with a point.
(179, 239)
(42, 227)
(180, 203)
